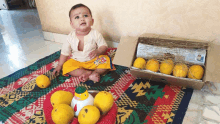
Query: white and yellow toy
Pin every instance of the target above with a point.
(81, 98)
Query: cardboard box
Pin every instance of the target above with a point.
(126, 54)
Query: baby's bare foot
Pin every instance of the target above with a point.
(94, 77)
(85, 76)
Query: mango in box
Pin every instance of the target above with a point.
(61, 97)
(42, 81)
(180, 70)
(103, 101)
(89, 115)
(196, 72)
(152, 65)
(62, 114)
(139, 63)
(166, 66)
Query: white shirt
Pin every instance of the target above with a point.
(92, 41)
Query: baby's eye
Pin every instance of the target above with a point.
(77, 17)
(85, 15)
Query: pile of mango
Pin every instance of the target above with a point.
(63, 113)
(168, 67)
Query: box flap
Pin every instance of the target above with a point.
(150, 35)
(170, 41)
(125, 51)
(212, 72)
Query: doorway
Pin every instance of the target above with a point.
(17, 4)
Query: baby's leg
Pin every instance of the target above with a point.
(83, 74)
(95, 76)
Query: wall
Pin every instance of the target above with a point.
(197, 19)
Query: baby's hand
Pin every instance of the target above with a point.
(56, 71)
(93, 54)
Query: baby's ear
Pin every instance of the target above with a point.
(92, 21)
(71, 24)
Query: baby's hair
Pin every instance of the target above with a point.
(77, 6)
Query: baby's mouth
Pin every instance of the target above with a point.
(83, 23)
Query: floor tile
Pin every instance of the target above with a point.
(197, 97)
(212, 112)
(42, 52)
(21, 40)
(48, 36)
(209, 122)
(190, 117)
(7, 69)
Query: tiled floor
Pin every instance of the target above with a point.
(21, 40)
(22, 43)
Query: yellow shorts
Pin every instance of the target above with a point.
(103, 62)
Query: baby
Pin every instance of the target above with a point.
(86, 46)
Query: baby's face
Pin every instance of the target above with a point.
(81, 19)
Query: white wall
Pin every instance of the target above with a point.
(196, 19)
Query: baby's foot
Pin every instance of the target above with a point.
(94, 77)
(85, 76)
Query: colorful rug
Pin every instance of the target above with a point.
(138, 100)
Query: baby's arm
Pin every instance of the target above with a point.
(65, 52)
(63, 59)
(100, 51)
(102, 46)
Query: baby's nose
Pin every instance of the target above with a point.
(82, 18)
